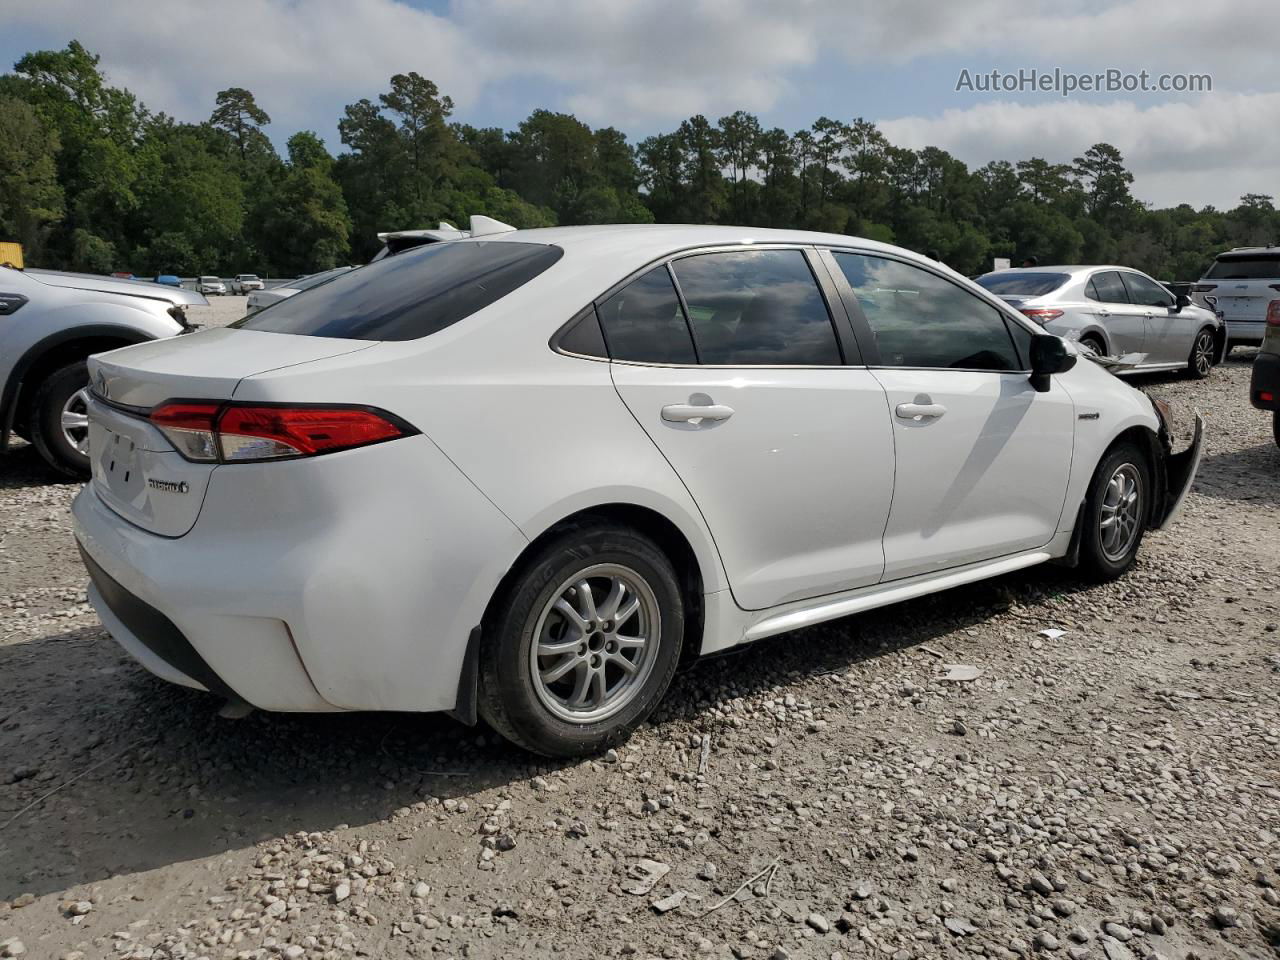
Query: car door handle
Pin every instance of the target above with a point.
(686, 412)
(1104, 313)
(920, 411)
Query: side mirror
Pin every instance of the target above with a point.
(1180, 300)
(1049, 355)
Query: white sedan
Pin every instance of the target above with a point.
(524, 475)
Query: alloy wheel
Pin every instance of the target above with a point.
(1202, 355)
(595, 643)
(1120, 519)
(74, 421)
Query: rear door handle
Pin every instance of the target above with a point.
(920, 411)
(687, 412)
(1104, 313)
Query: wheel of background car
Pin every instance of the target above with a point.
(1116, 512)
(1094, 343)
(583, 644)
(1275, 427)
(59, 423)
(1201, 360)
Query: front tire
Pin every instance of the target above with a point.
(583, 644)
(1116, 512)
(1201, 360)
(1094, 343)
(59, 421)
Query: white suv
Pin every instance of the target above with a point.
(210, 286)
(525, 474)
(244, 282)
(1240, 285)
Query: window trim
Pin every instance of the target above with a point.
(867, 340)
(849, 346)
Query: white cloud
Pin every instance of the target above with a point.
(1209, 151)
(645, 64)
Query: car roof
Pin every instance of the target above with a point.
(642, 242)
(1072, 268)
(1241, 252)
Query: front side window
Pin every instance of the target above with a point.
(413, 295)
(1147, 293)
(643, 322)
(757, 308)
(921, 320)
(1107, 287)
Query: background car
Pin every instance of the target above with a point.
(525, 474)
(1264, 386)
(261, 299)
(1115, 311)
(49, 325)
(168, 280)
(123, 275)
(243, 283)
(210, 286)
(1240, 285)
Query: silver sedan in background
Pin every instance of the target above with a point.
(1115, 312)
(261, 299)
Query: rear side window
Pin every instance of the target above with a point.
(1245, 268)
(1107, 287)
(757, 308)
(643, 322)
(412, 295)
(1022, 283)
(921, 320)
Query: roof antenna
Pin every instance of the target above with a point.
(485, 226)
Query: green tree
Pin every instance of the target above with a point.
(237, 113)
(30, 195)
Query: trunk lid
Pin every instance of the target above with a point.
(136, 470)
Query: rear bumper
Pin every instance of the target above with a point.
(1246, 332)
(347, 582)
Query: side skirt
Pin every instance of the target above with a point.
(883, 594)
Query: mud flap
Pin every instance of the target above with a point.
(1180, 471)
(464, 709)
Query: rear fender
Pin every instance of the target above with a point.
(1179, 473)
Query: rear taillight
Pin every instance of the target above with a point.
(1041, 315)
(243, 432)
(190, 428)
(1273, 313)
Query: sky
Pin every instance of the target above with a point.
(644, 65)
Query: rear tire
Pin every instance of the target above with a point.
(58, 423)
(1201, 360)
(1116, 512)
(1094, 343)
(570, 695)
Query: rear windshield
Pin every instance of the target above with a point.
(412, 295)
(1245, 268)
(1022, 284)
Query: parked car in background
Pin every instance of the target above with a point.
(244, 283)
(1264, 387)
(210, 286)
(261, 299)
(49, 325)
(1116, 312)
(567, 458)
(1240, 285)
(123, 275)
(168, 280)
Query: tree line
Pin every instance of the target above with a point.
(91, 180)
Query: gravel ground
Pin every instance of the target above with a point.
(1112, 793)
